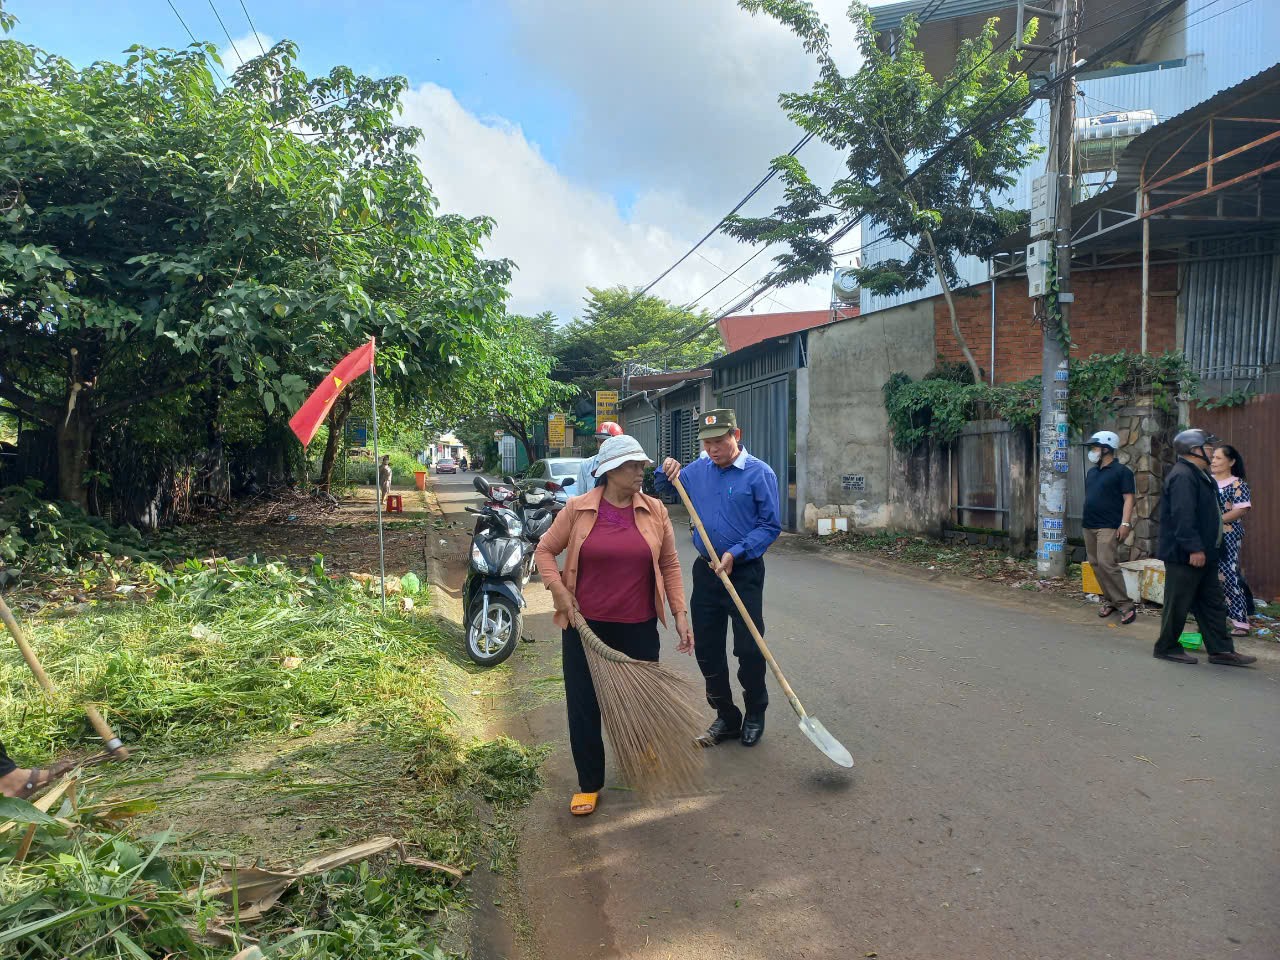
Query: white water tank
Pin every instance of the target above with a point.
(1111, 126)
(844, 283)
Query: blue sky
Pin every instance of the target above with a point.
(604, 136)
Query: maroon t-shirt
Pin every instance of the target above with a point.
(615, 569)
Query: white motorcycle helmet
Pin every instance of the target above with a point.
(1103, 438)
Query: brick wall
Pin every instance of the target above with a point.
(1106, 318)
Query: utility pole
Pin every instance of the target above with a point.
(1057, 298)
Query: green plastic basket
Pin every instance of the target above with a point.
(1191, 641)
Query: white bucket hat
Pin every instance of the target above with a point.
(616, 451)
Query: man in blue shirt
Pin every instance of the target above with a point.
(736, 496)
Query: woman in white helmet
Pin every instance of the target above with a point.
(1108, 515)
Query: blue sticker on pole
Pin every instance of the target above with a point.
(1061, 467)
(1060, 375)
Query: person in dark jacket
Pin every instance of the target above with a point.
(1190, 540)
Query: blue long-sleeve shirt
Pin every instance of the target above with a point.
(738, 504)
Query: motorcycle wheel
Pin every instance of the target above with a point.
(491, 642)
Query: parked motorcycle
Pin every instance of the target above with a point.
(537, 506)
(492, 593)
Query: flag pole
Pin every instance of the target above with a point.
(377, 474)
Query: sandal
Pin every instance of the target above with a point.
(583, 804)
(1106, 610)
(1130, 615)
(1239, 632)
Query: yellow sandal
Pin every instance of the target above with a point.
(583, 804)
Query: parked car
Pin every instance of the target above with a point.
(558, 469)
(446, 466)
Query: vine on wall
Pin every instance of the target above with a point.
(938, 406)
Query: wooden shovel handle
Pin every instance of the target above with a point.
(742, 609)
(118, 749)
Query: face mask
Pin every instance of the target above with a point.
(1095, 456)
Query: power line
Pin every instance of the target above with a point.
(194, 42)
(226, 31)
(257, 36)
(712, 232)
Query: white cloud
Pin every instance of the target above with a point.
(675, 92)
(676, 100)
(243, 48)
(563, 235)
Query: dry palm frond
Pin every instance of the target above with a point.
(650, 715)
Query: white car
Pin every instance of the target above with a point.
(558, 469)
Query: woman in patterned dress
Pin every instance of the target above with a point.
(1233, 497)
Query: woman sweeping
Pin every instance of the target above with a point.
(1233, 497)
(620, 571)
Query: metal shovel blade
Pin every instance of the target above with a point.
(813, 729)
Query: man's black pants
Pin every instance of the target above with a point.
(639, 641)
(1197, 590)
(710, 611)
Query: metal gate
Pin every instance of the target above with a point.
(645, 430)
(764, 414)
(759, 383)
(1252, 428)
(982, 475)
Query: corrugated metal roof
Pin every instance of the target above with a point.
(1186, 134)
(890, 15)
(744, 329)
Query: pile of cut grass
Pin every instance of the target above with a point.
(225, 651)
(231, 652)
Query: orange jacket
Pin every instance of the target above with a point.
(574, 523)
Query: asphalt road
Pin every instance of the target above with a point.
(1029, 783)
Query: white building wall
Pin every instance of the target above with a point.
(1225, 45)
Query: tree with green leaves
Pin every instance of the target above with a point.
(620, 325)
(158, 233)
(508, 386)
(925, 158)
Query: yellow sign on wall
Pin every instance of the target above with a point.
(606, 405)
(555, 430)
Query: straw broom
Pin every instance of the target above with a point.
(649, 714)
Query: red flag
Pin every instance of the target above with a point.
(311, 414)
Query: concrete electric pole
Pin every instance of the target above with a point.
(1049, 280)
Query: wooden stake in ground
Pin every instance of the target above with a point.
(112, 742)
(650, 715)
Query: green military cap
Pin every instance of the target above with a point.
(716, 423)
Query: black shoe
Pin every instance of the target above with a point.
(1226, 659)
(720, 731)
(1176, 656)
(752, 729)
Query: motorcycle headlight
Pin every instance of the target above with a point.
(512, 559)
(477, 558)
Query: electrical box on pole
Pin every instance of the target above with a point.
(1039, 261)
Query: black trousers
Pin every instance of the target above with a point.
(710, 610)
(639, 641)
(1197, 590)
(7, 766)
